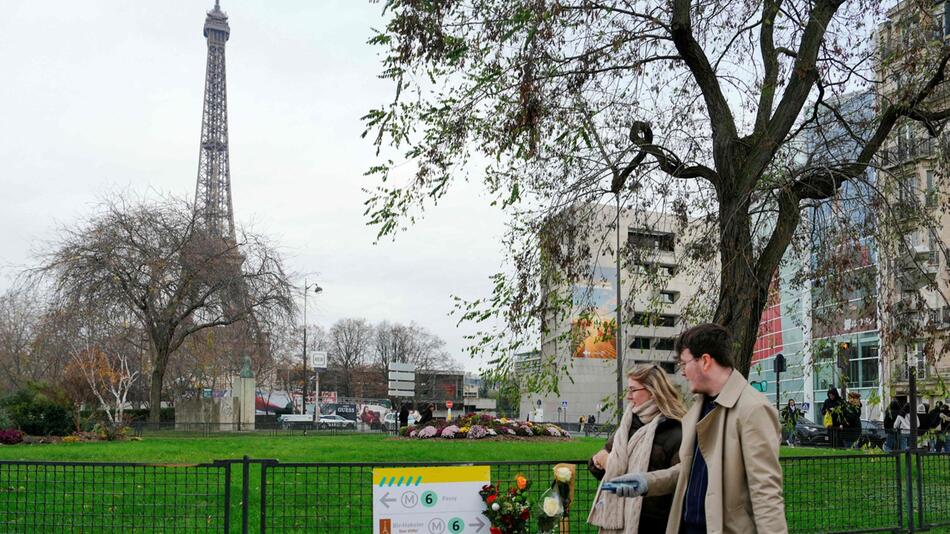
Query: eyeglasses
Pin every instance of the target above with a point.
(680, 364)
(634, 390)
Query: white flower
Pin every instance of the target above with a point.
(562, 474)
(552, 506)
(495, 507)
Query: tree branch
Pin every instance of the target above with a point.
(721, 119)
(641, 134)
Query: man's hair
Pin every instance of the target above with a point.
(707, 338)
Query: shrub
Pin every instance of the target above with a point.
(110, 432)
(10, 436)
(477, 432)
(34, 410)
(449, 432)
(72, 439)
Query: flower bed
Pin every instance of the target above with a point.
(473, 426)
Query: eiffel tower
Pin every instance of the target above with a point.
(214, 211)
(213, 191)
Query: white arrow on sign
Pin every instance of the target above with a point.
(398, 375)
(402, 385)
(479, 524)
(386, 499)
(396, 366)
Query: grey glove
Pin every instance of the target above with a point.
(630, 485)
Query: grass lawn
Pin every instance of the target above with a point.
(340, 448)
(821, 494)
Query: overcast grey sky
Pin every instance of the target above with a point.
(102, 96)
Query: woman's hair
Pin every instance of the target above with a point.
(667, 397)
(790, 401)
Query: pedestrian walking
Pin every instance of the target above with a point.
(404, 415)
(851, 436)
(729, 479)
(902, 427)
(891, 436)
(648, 439)
(832, 416)
(790, 416)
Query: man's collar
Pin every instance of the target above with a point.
(731, 390)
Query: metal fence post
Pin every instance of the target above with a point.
(263, 497)
(246, 465)
(227, 496)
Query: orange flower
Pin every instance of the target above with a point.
(521, 481)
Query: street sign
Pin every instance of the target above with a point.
(407, 367)
(408, 386)
(433, 500)
(564, 404)
(319, 360)
(399, 375)
(401, 393)
(448, 404)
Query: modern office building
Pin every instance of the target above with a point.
(582, 347)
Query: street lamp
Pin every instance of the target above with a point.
(306, 291)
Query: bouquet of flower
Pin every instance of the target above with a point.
(509, 511)
(556, 501)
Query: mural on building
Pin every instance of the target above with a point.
(594, 325)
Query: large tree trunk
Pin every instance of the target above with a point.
(155, 388)
(741, 295)
(744, 278)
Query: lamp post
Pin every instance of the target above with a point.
(306, 379)
(618, 333)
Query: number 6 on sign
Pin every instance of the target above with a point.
(449, 500)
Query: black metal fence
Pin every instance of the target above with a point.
(901, 492)
(113, 497)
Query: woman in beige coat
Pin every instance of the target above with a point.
(648, 439)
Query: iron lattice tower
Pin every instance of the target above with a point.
(213, 191)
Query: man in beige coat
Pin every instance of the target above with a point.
(731, 483)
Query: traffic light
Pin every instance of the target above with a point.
(779, 363)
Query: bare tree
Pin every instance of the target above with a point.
(696, 108)
(394, 342)
(151, 260)
(348, 345)
(22, 358)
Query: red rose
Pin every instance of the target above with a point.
(491, 498)
(495, 530)
(525, 514)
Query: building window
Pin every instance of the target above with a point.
(663, 343)
(931, 192)
(643, 239)
(642, 343)
(652, 319)
(669, 297)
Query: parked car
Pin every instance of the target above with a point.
(296, 420)
(336, 421)
(391, 420)
(872, 432)
(809, 434)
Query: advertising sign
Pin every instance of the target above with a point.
(429, 500)
(345, 410)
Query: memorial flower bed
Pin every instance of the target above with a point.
(474, 426)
